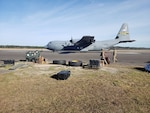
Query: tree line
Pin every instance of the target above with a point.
(16, 46)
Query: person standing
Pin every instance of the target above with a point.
(103, 56)
(114, 55)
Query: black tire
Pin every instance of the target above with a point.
(75, 63)
(62, 62)
(9, 62)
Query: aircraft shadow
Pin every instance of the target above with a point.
(67, 52)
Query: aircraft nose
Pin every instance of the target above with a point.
(46, 46)
(50, 46)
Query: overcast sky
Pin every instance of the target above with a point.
(36, 22)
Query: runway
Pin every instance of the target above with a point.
(125, 57)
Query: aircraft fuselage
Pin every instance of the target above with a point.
(87, 43)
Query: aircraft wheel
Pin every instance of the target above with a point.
(75, 63)
(62, 62)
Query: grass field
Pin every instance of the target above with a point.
(112, 89)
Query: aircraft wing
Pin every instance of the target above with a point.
(85, 41)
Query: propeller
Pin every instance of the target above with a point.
(71, 40)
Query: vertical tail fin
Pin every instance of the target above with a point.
(123, 34)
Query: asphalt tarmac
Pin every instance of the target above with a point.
(125, 57)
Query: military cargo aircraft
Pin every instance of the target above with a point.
(88, 43)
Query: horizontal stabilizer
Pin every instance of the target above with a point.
(126, 41)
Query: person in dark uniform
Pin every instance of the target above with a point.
(103, 56)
